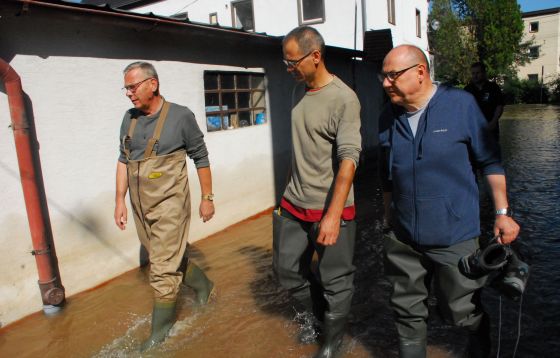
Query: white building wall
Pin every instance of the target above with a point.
(404, 28)
(78, 108)
(278, 17)
(549, 41)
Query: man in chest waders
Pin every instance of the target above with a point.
(155, 138)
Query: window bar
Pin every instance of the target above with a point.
(251, 105)
(220, 101)
(236, 99)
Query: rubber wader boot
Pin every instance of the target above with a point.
(163, 317)
(479, 345)
(197, 280)
(333, 333)
(412, 348)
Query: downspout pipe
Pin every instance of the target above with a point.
(50, 285)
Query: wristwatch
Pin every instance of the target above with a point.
(504, 211)
(209, 197)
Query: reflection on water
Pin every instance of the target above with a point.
(531, 152)
(252, 317)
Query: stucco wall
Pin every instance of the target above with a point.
(71, 67)
(404, 28)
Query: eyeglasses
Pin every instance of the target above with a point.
(295, 63)
(393, 75)
(133, 87)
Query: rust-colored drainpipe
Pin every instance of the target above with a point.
(52, 291)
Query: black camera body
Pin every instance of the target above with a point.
(514, 276)
(512, 273)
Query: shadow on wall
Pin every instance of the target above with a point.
(87, 219)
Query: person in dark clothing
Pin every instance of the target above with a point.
(488, 95)
(431, 137)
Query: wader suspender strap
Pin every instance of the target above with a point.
(149, 152)
(128, 138)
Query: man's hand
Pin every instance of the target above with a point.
(120, 214)
(506, 229)
(329, 228)
(206, 210)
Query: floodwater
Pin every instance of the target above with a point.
(531, 154)
(252, 317)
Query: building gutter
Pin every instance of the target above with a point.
(27, 149)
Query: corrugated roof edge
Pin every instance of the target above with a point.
(108, 10)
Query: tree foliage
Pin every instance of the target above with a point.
(466, 31)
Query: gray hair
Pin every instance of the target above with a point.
(307, 38)
(146, 67)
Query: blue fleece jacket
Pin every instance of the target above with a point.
(431, 175)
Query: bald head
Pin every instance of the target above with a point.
(407, 55)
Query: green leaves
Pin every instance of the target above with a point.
(489, 31)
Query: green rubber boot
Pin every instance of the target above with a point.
(333, 335)
(196, 279)
(412, 348)
(163, 318)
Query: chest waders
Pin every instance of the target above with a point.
(160, 198)
(159, 193)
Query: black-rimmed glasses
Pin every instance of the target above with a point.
(294, 63)
(133, 87)
(393, 75)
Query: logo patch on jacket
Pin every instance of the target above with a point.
(155, 175)
(442, 130)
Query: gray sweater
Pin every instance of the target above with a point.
(180, 131)
(325, 130)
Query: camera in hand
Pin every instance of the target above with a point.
(511, 275)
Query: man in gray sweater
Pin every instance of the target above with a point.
(316, 213)
(156, 136)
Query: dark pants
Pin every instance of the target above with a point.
(410, 269)
(294, 243)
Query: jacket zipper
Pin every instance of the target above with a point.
(415, 222)
(419, 136)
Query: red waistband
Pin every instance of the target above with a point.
(314, 215)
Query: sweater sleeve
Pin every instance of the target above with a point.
(485, 149)
(348, 137)
(194, 142)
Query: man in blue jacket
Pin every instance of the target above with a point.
(432, 138)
